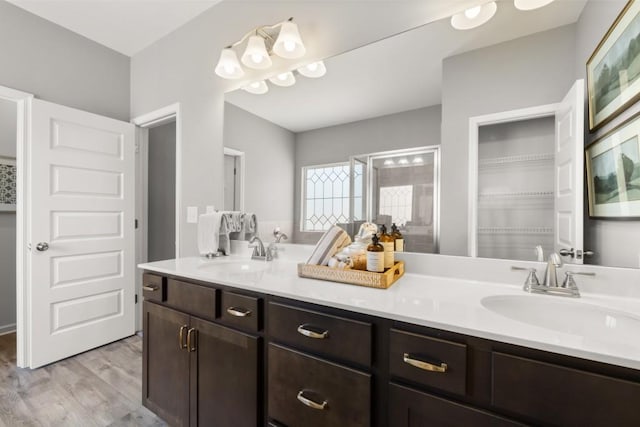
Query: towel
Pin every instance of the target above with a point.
(248, 227)
(224, 241)
(330, 243)
(234, 220)
(209, 233)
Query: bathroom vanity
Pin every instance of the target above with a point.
(236, 342)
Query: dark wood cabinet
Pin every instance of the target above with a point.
(165, 363)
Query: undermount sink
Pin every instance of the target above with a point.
(572, 317)
(235, 266)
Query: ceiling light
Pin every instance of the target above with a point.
(228, 65)
(418, 159)
(283, 79)
(315, 69)
(530, 4)
(255, 55)
(474, 17)
(289, 44)
(403, 161)
(389, 162)
(257, 88)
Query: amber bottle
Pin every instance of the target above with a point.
(375, 256)
(399, 238)
(389, 247)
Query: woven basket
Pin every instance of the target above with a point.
(353, 277)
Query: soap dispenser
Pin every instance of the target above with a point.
(398, 238)
(375, 256)
(389, 247)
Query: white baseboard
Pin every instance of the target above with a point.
(7, 329)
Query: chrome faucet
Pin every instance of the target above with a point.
(259, 252)
(551, 275)
(279, 235)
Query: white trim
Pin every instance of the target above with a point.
(8, 329)
(531, 113)
(235, 153)
(23, 284)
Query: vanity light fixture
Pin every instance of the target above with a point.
(403, 161)
(474, 16)
(257, 88)
(282, 38)
(418, 160)
(389, 162)
(283, 79)
(313, 70)
(530, 4)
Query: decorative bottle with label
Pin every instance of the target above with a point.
(389, 247)
(399, 238)
(375, 256)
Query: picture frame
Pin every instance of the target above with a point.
(613, 173)
(613, 70)
(8, 173)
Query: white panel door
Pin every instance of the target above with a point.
(81, 202)
(569, 166)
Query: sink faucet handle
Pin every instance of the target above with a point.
(569, 282)
(532, 278)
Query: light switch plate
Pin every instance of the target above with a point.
(192, 214)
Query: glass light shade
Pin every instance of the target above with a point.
(284, 79)
(418, 159)
(228, 65)
(255, 55)
(289, 44)
(313, 70)
(530, 4)
(257, 88)
(403, 161)
(389, 162)
(470, 19)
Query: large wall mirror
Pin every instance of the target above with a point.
(417, 89)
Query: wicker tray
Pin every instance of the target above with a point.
(353, 277)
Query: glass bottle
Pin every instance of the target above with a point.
(375, 256)
(399, 238)
(389, 247)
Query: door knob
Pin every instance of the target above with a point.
(42, 246)
(565, 252)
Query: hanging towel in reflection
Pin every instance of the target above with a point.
(209, 233)
(224, 243)
(234, 220)
(330, 243)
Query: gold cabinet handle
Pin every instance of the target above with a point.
(191, 343)
(304, 330)
(181, 343)
(150, 288)
(310, 403)
(239, 311)
(424, 365)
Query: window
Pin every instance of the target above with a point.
(326, 195)
(397, 201)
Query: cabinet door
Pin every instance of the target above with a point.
(224, 377)
(165, 364)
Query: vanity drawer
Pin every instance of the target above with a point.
(154, 287)
(242, 311)
(307, 391)
(327, 335)
(408, 407)
(195, 299)
(558, 395)
(429, 361)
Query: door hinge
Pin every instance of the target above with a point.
(135, 223)
(234, 172)
(136, 298)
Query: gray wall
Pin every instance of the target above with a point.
(162, 193)
(333, 144)
(269, 167)
(616, 243)
(60, 66)
(8, 120)
(525, 72)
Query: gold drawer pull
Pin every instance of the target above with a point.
(310, 403)
(181, 342)
(150, 288)
(307, 332)
(424, 365)
(191, 345)
(238, 311)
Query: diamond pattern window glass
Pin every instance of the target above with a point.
(397, 201)
(326, 196)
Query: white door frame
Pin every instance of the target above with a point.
(540, 111)
(240, 154)
(23, 285)
(144, 122)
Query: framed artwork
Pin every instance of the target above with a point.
(613, 172)
(613, 70)
(7, 184)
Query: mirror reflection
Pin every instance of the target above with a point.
(405, 92)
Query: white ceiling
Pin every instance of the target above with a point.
(396, 74)
(126, 26)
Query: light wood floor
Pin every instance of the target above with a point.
(101, 387)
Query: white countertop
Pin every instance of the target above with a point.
(446, 303)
